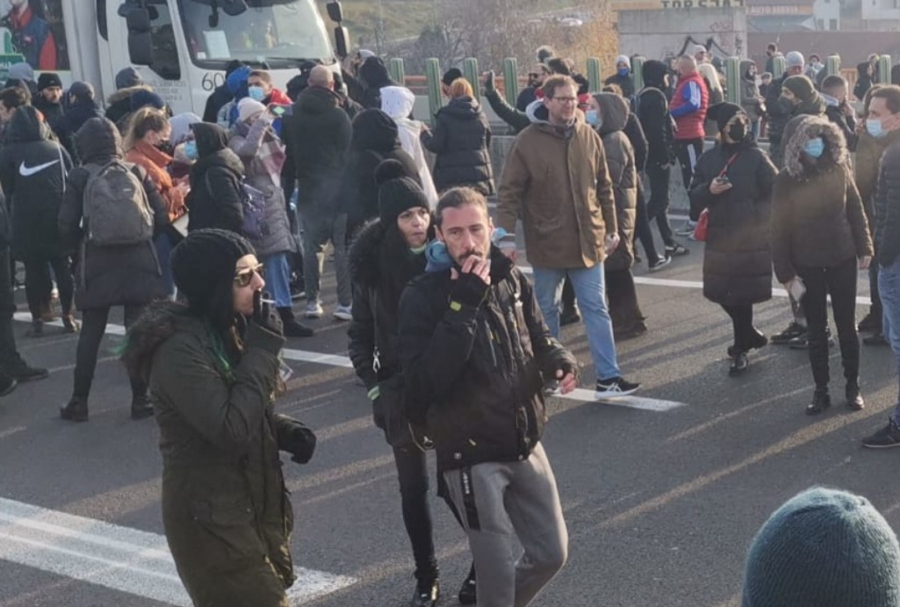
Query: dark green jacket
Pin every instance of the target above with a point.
(226, 511)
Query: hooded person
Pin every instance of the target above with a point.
(623, 78)
(212, 364)
(823, 548)
(33, 174)
(108, 274)
(216, 197)
(238, 83)
(221, 95)
(608, 113)
(397, 102)
(181, 132)
(120, 106)
(79, 106)
(375, 139)
(733, 182)
(799, 97)
(820, 238)
(863, 80)
(374, 76)
(752, 101)
(262, 152)
(461, 142)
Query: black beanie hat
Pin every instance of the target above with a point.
(203, 266)
(653, 72)
(397, 191)
(723, 112)
(450, 75)
(48, 79)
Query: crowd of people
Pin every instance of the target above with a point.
(206, 231)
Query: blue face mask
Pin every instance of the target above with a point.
(592, 118)
(814, 148)
(874, 128)
(623, 71)
(256, 93)
(190, 150)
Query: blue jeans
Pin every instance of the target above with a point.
(889, 289)
(590, 292)
(278, 279)
(164, 254)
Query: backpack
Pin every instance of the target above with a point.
(253, 205)
(116, 207)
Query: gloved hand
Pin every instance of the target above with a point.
(469, 289)
(378, 415)
(489, 82)
(265, 314)
(295, 438)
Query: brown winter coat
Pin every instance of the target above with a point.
(559, 181)
(620, 162)
(817, 215)
(869, 151)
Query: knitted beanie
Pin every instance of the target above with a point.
(723, 112)
(824, 548)
(623, 59)
(203, 266)
(47, 80)
(802, 87)
(127, 78)
(248, 108)
(397, 191)
(794, 59)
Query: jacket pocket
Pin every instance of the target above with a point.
(226, 536)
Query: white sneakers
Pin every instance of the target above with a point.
(314, 310)
(343, 313)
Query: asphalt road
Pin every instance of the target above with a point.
(660, 506)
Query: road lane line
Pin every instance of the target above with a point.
(128, 560)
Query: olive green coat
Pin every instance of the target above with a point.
(227, 514)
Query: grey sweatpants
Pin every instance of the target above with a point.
(499, 501)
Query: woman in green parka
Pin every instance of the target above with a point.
(213, 370)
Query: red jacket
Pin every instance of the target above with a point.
(277, 97)
(688, 107)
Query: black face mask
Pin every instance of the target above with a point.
(165, 146)
(737, 132)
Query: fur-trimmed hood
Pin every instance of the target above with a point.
(374, 247)
(803, 128)
(159, 321)
(123, 94)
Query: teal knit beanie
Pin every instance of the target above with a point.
(824, 548)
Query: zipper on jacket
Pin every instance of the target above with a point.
(491, 337)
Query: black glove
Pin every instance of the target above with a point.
(567, 367)
(489, 82)
(296, 438)
(266, 315)
(468, 289)
(378, 415)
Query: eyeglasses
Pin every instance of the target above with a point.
(566, 99)
(245, 277)
(533, 75)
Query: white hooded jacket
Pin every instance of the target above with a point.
(397, 102)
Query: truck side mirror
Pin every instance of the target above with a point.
(233, 8)
(335, 11)
(140, 46)
(341, 42)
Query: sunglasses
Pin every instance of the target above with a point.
(245, 277)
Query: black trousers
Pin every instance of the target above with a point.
(93, 326)
(9, 357)
(688, 151)
(742, 324)
(642, 229)
(877, 310)
(38, 284)
(658, 207)
(839, 282)
(568, 295)
(624, 309)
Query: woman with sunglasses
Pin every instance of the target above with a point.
(107, 275)
(212, 365)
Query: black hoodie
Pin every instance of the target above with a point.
(126, 275)
(375, 138)
(461, 141)
(375, 77)
(652, 110)
(216, 199)
(33, 173)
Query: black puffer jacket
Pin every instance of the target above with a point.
(215, 200)
(478, 368)
(317, 137)
(461, 141)
(887, 207)
(652, 110)
(381, 265)
(33, 173)
(737, 264)
(110, 275)
(375, 138)
(70, 123)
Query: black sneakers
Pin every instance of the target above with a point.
(468, 594)
(855, 400)
(427, 593)
(887, 437)
(871, 322)
(676, 250)
(793, 331)
(659, 264)
(739, 364)
(569, 317)
(141, 407)
(614, 387)
(76, 410)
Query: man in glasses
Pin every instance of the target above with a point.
(556, 176)
(536, 78)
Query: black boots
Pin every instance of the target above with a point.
(76, 410)
(427, 593)
(821, 401)
(141, 407)
(855, 400)
(292, 326)
(468, 594)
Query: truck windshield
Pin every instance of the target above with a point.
(280, 33)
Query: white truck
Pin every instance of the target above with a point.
(180, 47)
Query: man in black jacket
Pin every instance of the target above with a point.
(473, 344)
(33, 172)
(652, 109)
(49, 98)
(884, 118)
(838, 111)
(780, 112)
(317, 138)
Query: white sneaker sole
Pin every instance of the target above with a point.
(613, 395)
(343, 316)
(313, 315)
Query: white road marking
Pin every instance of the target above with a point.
(127, 560)
(629, 402)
